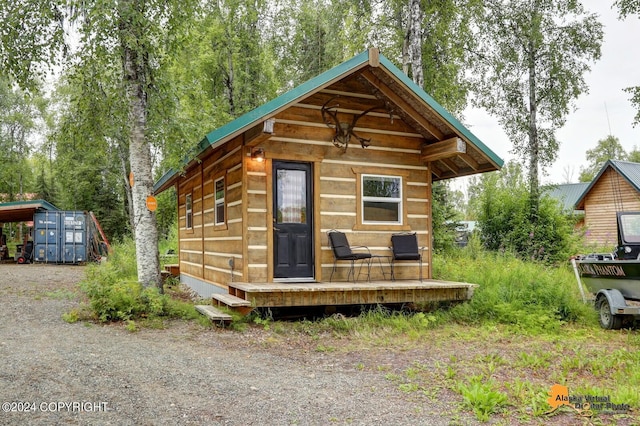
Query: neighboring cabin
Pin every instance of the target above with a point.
(615, 188)
(256, 202)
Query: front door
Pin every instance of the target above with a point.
(292, 221)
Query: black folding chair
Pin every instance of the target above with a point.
(343, 251)
(405, 247)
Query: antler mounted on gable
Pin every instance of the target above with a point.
(344, 130)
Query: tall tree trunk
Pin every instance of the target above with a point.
(534, 144)
(230, 83)
(414, 37)
(135, 68)
(122, 155)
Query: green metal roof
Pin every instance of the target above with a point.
(567, 194)
(268, 110)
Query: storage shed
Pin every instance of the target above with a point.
(355, 149)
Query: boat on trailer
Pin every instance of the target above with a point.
(614, 278)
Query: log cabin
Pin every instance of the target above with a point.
(616, 188)
(355, 149)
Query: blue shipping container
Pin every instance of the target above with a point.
(60, 237)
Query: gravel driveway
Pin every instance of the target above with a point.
(52, 372)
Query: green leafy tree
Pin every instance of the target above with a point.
(223, 69)
(634, 155)
(87, 171)
(627, 8)
(44, 186)
(530, 60)
(501, 204)
(90, 143)
(445, 217)
(608, 148)
(308, 37)
(31, 35)
(427, 41)
(18, 115)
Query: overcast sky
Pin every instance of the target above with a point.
(606, 106)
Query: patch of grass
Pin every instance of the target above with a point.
(482, 396)
(72, 316)
(535, 360)
(531, 297)
(61, 294)
(131, 326)
(323, 348)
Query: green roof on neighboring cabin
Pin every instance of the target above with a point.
(567, 194)
(230, 130)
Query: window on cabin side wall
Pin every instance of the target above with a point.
(381, 199)
(219, 201)
(189, 211)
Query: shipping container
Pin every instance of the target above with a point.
(60, 237)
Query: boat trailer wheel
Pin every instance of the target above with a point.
(608, 321)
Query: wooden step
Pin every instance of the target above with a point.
(230, 300)
(173, 269)
(213, 313)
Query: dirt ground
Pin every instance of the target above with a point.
(53, 372)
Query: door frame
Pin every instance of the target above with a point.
(308, 168)
(315, 162)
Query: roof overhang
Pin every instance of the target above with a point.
(22, 211)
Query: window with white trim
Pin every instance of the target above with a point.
(189, 211)
(219, 195)
(381, 199)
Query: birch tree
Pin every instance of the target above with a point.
(427, 39)
(137, 35)
(412, 47)
(530, 60)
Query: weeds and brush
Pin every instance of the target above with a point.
(114, 294)
(533, 297)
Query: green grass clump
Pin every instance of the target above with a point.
(530, 295)
(482, 396)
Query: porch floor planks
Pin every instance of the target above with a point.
(350, 293)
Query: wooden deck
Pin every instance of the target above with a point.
(350, 293)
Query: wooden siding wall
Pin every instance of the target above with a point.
(300, 134)
(191, 250)
(610, 194)
(258, 210)
(207, 250)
